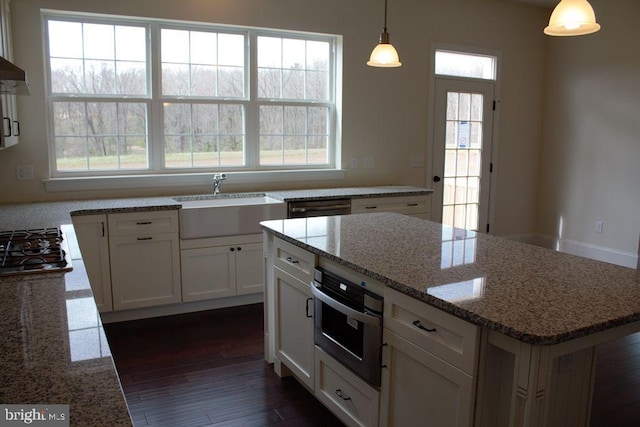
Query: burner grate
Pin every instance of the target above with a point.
(31, 250)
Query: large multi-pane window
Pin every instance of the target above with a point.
(133, 96)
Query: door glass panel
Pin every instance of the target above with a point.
(463, 159)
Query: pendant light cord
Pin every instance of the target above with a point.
(385, 16)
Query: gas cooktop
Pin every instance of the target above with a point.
(31, 251)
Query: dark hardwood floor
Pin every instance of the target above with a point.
(616, 394)
(207, 369)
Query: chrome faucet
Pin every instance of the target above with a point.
(217, 182)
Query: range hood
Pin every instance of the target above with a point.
(13, 80)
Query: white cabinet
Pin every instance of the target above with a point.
(416, 385)
(293, 309)
(9, 126)
(350, 398)
(145, 259)
(222, 267)
(431, 365)
(417, 206)
(92, 235)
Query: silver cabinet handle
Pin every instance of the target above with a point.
(412, 204)
(419, 325)
(307, 307)
(341, 395)
(292, 261)
(144, 223)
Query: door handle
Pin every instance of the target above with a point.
(306, 308)
(436, 178)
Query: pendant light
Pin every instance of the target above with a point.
(384, 54)
(572, 18)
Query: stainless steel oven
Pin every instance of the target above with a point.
(348, 323)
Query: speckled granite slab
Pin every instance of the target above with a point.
(351, 193)
(53, 350)
(54, 214)
(533, 294)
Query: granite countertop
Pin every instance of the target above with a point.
(54, 214)
(53, 349)
(533, 294)
(351, 193)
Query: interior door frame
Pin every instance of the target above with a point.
(431, 99)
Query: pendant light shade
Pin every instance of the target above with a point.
(572, 18)
(384, 54)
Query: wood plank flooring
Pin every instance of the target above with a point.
(207, 369)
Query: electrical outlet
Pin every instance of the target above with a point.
(599, 225)
(24, 172)
(417, 162)
(354, 163)
(368, 162)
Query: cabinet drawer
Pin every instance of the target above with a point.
(351, 399)
(294, 260)
(134, 223)
(409, 205)
(448, 337)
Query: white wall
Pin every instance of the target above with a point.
(384, 110)
(590, 168)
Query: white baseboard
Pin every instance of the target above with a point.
(587, 250)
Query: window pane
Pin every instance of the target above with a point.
(293, 68)
(100, 136)
(293, 135)
(98, 41)
(203, 135)
(88, 58)
(463, 64)
(202, 64)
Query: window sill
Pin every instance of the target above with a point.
(123, 182)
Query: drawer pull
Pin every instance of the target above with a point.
(292, 261)
(144, 222)
(371, 207)
(341, 395)
(145, 238)
(419, 325)
(412, 204)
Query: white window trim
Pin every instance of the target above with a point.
(159, 176)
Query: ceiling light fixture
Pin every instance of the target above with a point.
(384, 54)
(572, 18)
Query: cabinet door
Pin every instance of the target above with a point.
(91, 233)
(10, 127)
(294, 325)
(249, 268)
(208, 273)
(145, 270)
(417, 385)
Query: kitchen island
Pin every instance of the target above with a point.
(538, 313)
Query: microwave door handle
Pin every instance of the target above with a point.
(361, 317)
